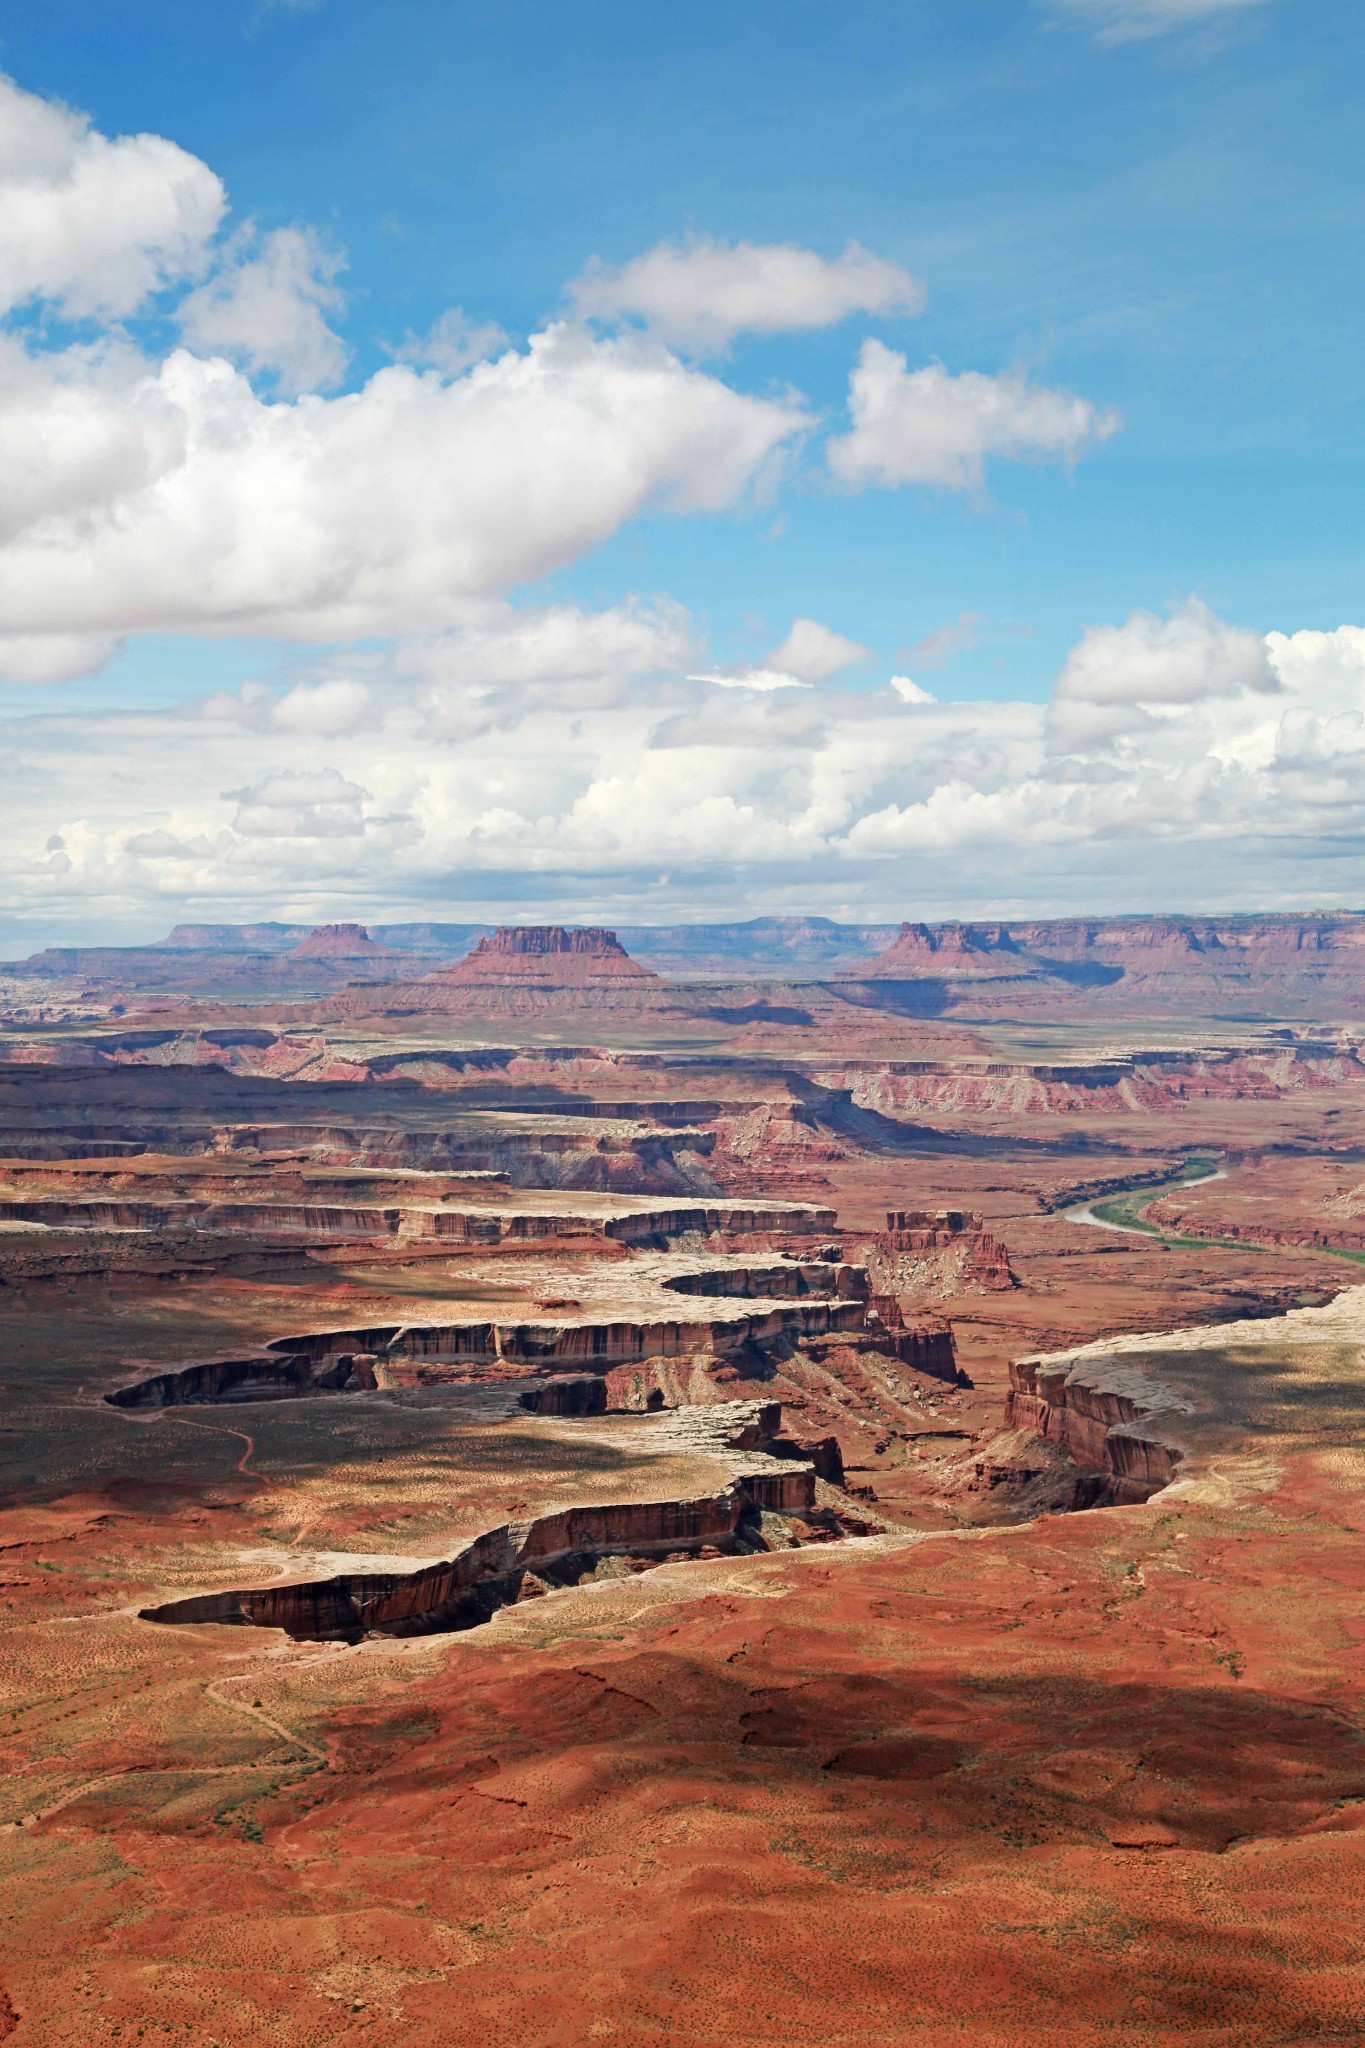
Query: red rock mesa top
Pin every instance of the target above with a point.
(551, 955)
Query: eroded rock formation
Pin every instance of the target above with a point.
(338, 942)
(1111, 1418)
(547, 956)
(935, 1254)
(518, 1560)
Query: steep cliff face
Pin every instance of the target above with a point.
(392, 1354)
(338, 942)
(1119, 1085)
(785, 1278)
(494, 1569)
(265, 1376)
(547, 956)
(385, 1222)
(1173, 961)
(926, 1343)
(1115, 1422)
(582, 1393)
(938, 1253)
(955, 951)
(597, 1343)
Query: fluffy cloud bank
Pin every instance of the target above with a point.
(1119, 679)
(417, 781)
(174, 497)
(702, 294)
(267, 308)
(90, 225)
(928, 427)
(142, 494)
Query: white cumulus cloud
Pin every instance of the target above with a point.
(53, 657)
(818, 796)
(92, 225)
(929, 427)
(178, 499)
(317, 803)
(1117, 678)
(268, 309)
(338, 705)
(453, 343)
(810, 653)
(701, 294)
(813, 652)
(503, 643)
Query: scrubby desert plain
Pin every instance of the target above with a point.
(800, 1488)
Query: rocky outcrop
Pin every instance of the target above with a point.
(659, 1227)
(583, 1393)
(494, 1569)
(578, 1156)
(391, 1354)
(696, 1380)
(599, 1342)
(1110, 1418)
(785, 1278)
(926, 1345)
(822, 1453)
(1150, 1081)
(950, 951)
(546, 956)
(338, 942)
(264, 1376)
(935, 1253)
(1173, 965)
(656, 1228)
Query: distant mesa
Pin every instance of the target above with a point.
(548, 956)
(231, 938)
(949, 951)
(338, 942)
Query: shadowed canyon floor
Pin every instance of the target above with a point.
(518, 1541)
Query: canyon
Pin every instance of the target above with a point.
(784, 1482)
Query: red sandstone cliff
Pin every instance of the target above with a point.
(952, 951)
(1114, 1421)
(935, 1254)
(546, 956)
(339, 942)
(1165, 965)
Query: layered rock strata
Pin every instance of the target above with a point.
(390, 1355)
(940, 1252)
(1111, 1418)
(603, 1342)
(926, 1345)
(656, 1226)
(526, 1559)
(548, 957)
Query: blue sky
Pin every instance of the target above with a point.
(1150, 207)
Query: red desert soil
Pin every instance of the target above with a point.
(999, 1773)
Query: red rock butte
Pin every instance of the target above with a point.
(548, 956)
(337, 942)
(946, 949)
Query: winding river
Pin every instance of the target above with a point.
(1084, 1212)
